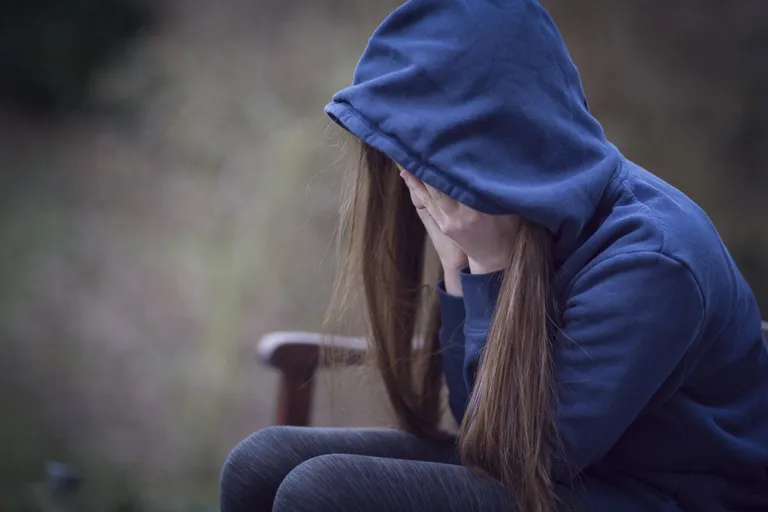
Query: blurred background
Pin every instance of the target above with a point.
(169, 187)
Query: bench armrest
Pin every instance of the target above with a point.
(300, 350)
(296, 355)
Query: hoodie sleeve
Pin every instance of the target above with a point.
(628, 322)
(451, 336)
(481, 292)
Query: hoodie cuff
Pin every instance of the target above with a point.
(451, 315)
(481, 292)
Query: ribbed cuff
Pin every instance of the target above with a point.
(451, 313)
(481, 292)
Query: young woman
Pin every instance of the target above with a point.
(600, 348)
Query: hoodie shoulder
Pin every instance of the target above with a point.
(628, 322)
(641, 213)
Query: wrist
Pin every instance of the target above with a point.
(486, 267)
(452, 281)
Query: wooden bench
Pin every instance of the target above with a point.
(296, 355)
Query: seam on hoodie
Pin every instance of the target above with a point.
(552, 54)
(454, 182)
(619, 176)
(682, 264)
(662, 229)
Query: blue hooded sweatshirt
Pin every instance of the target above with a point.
(661, 368)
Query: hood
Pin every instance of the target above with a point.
(480, 99)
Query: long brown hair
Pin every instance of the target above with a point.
(507, 432)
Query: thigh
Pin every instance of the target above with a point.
(347, 483)
(258, 464)
(351, 483)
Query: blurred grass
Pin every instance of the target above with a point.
(147, 246)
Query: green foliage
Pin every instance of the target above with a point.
(50, 49)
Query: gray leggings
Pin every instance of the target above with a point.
(292, 469)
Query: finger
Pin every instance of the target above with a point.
(426, 218)
(443, 201)
(415, 198)
(433, 230)
(419, 189)
(417, 202)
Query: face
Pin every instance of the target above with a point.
(486, 240)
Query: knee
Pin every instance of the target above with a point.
(323, 483)
(253, 471)
(252, 452)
